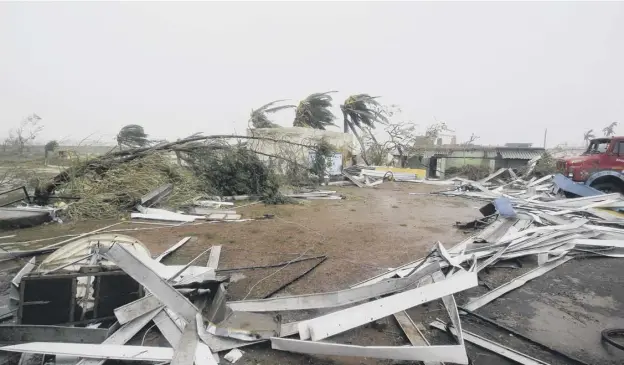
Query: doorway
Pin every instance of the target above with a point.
(433, 167)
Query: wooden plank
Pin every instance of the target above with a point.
(337, 322)
(172, 248)
(213, 259)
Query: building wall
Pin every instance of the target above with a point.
(343, 142)
(509, 163)
(464, 158)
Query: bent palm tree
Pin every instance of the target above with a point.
(132, 135)
(359, 111)
(313, 111)
(49, 147)
(609, 130)
(259, 118)
(589, 135)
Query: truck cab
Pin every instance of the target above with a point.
(601, 166)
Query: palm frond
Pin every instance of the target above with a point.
(132, 135)
(314, 112)
(259, 119)
(278, 108)
(363, 109)
(267, 105)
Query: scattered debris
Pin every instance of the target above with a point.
(234, 355)
(12, 218)
(107, 277)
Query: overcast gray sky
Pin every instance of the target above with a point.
(504, 71)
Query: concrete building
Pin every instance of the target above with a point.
(437, 160)
(343, 142)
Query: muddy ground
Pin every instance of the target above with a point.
(364, 235)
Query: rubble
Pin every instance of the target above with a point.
(189, 303)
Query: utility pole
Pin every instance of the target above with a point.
(545, 133)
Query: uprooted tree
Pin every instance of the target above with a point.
(220, 167)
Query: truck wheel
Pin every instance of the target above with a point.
(607, 187)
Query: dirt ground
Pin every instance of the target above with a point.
(362, 236)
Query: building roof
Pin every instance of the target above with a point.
(513, 153)
(520, 154)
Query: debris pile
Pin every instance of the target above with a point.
(114, 194)
(110, 186)
(113, 279)
(370, 176)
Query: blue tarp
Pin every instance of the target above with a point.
(504, 208)
(571, 187)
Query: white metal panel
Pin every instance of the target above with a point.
(512, 354)
(515, 283)
(114, 352)
(330, 299)
(152, 281)
(213, 259)
(124, 334)
(453, 353)
(346, 319)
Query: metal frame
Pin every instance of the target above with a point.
(74, 278)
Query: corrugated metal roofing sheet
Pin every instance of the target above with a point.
(519, 154)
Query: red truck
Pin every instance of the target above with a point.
(601, 166)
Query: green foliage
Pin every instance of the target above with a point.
(314, 111)
(322, 158)
(132, 135)
(259, 118)
(363, 109)
(468, 171)
(377, 154)
(50, 147)
(114, 192)
(233, 171)
(546, 165)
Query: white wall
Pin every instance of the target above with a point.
(343, 142)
